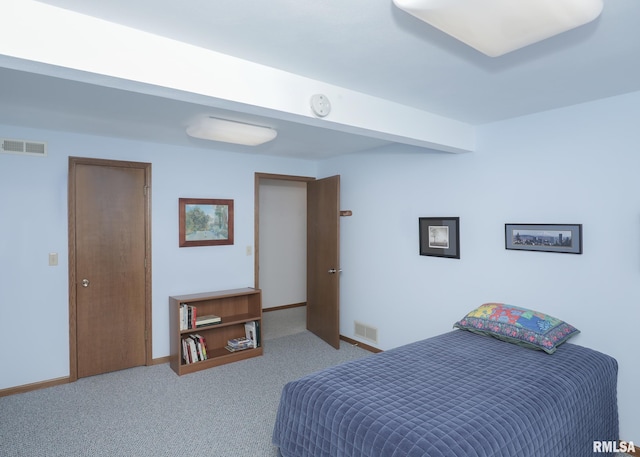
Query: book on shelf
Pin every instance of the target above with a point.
(239, 344)
(252, 332)
(236, 349)
(209, 319)
(192, 352)
(195, 355)
(182, 318)
(194, 348)
(201, 346)
(186, 352)
(188, 316)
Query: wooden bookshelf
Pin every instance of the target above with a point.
(235, 307)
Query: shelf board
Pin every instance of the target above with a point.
(226, 321)
(217, 295)
(218, 357)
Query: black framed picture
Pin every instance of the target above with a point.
(563, 238)
(440, 236)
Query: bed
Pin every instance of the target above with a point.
(457, 394)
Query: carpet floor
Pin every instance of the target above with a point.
(226, 411)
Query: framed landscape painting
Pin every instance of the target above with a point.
(563, 238)
(205, 222)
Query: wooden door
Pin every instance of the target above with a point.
(109, 279)
(323, 259)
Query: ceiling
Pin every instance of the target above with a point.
(368, 46)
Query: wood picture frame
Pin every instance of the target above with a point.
(205, 222)
(440, 236)
(562, 238)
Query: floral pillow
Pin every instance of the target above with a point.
(521, 326)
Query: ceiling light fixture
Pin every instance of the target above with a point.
(212, 128)
(496, 27)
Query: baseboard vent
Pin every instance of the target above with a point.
(365, 331)
(32, 148)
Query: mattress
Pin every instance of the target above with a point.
(456, 394)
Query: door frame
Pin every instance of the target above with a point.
(71, 196)
(256, 229)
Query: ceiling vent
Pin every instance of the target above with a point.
(31, 148)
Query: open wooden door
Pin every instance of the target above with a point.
(323, 259)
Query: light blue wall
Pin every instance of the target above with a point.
(34, 328)
(576, 165)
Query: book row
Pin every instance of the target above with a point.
(194, 346)
(189, 318)
(194, 349)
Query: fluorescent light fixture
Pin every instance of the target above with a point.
(211, 128)
(496, 27)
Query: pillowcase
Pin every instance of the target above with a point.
(516, 325)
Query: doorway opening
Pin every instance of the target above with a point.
(318, 246)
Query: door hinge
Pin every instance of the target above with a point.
(145, 190)
(146, 334)
(145, 262)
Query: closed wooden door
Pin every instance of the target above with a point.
(323, 259)
(109, 290)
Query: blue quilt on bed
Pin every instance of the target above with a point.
(457, 394)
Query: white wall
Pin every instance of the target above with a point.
(33, 222)
(576, 165)
(283, 242)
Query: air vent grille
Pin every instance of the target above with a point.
(365, 331)
(32, 148)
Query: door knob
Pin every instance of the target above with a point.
(333, 271)
(85, 283)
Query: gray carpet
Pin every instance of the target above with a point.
(283, 322)
(226, 411)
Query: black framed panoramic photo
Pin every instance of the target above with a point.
(439, 236)
(562, 238)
